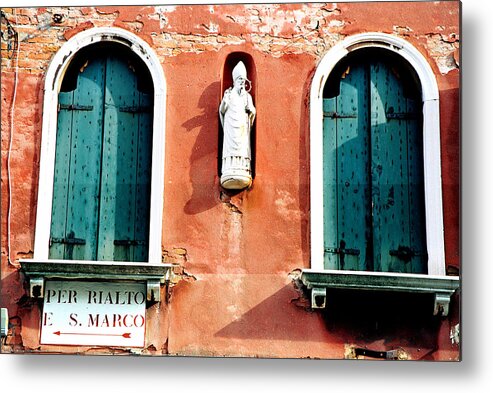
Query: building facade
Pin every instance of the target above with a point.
(115, 225)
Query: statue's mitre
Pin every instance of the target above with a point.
(239, 70)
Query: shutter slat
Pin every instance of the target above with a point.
(352, 159)
(83, 202)
(346, 182)
(417, 232)
(124, 218)
(61, 177)
(331, 261)
(143, 180)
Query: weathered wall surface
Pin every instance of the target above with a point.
(238, 250)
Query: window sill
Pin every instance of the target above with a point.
(37, 271)
(443, 287)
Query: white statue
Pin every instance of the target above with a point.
(237, 115)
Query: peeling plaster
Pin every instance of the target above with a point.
(442, 49)
(211, 27)
(349, 352)
(227, 200)
(114, 13)
(446, 64)
(402, 30)
(286, 205)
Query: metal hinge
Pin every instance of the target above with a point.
(337, 250)
(401, 116)
(73, 107)
(405, 253)
(135, 109)
(129, 242)
(391, 115)
(67, 240)
(335, 115)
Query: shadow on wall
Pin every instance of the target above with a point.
(371, 320)
(277, 318)
(203, 159)
(382, 321)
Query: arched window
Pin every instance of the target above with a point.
(397, 55)
(101, 183)
(374, 215)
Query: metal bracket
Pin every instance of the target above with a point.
(392, 354)
(319, 296)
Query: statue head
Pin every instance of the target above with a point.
(239, 77)
(239, 71)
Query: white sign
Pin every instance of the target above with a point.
(94, 313)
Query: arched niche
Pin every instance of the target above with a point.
(227, 81)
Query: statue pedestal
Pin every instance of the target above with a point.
(236, 173)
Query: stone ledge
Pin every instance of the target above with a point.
(153, 274)
(442, 287)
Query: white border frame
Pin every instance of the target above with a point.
(431, 144)
(53, 80)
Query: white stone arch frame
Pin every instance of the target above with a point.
(431, 144)
(53, 81)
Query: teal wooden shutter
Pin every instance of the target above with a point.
(103, 165)
(347, 184)
(125, 190)
(373, 173)
(397, 174)
(74, 223)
